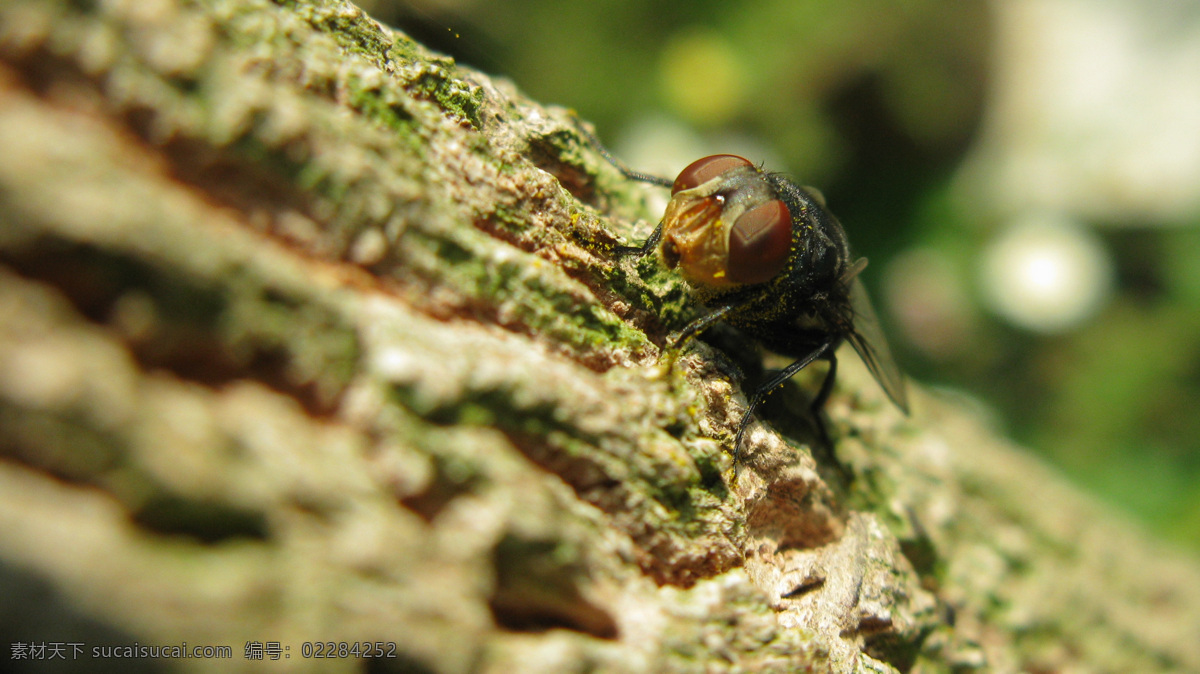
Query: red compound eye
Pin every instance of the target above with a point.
(759, 243)
(705, 169)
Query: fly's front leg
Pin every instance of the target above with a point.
(674, 345)
(617, 163)
(701, 324)
(643, 250)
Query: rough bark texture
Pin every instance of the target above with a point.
(307, 334)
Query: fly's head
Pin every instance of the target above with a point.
(725, 226)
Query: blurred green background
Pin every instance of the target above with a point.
(1023, 174)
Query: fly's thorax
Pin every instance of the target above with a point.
(791, 300)
(821, 250)
(729, 231)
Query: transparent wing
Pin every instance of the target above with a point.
(868, 340)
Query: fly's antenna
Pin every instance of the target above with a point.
(617, 163)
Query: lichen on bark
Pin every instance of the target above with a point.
(312, 335)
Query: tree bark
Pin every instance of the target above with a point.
(309, 335)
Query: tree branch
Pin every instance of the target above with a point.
(310, 335)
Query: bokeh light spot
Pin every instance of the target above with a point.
(1046, 274)
(702, 77)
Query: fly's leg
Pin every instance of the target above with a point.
(675, 346)
(818, 403)
(825, 444)
(824, 350)
(701, 324)
(651, 243)
(643, 250)
(617, 163)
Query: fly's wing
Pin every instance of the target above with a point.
(867, 339)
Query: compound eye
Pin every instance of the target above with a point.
(705, 169)
(759, 243)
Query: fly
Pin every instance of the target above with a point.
(766, 256)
